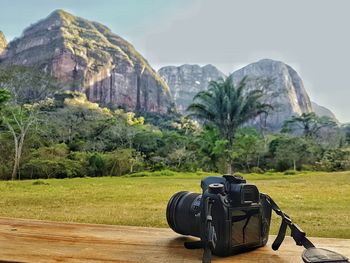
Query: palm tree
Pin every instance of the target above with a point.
(309, 123)
(227, 107)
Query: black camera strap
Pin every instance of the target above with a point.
(208, 241)
(311, 254)
(296, 232)
(210, 234)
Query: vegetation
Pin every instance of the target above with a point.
(319, 206)
(308, 123)
(47, 134)
(4, 96)
(58, 135)
(227, 107)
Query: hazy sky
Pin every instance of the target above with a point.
(310, 35)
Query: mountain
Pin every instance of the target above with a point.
(323, 111)
(283, 89)
(88, 57)
(187, 80)
(3, 42)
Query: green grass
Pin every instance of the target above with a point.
(318, 202)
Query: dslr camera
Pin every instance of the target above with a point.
(231, 216)
(230, 212)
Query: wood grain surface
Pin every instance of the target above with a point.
(23, 240)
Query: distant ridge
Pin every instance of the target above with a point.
(323, 111)
(187, 80)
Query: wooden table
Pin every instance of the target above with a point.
(23, 240)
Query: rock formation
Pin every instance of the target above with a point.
(323, 111)
(283, 89)
(3, 43)
(86, 56)
(187, 80)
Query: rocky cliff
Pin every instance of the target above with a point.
(283, 89)
(3, 43)
(323, 111)
(86, 56)
(187, 80)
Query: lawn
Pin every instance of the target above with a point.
(318, 202)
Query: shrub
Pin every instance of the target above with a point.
(5, 172)
(282, 165)
(39, 182)
(54, 151)
(123, 161)
(166, 173)
(307, 167)
(96, 165)
(290, 172)
(56, 168)
(257, 170)
(335, 160)
(157, 173)
(158, 163)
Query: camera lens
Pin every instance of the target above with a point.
(181, 213)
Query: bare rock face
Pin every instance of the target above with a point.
(283, 90)
(86, 56)
(323, 112)
(187, 80)
(3, 43)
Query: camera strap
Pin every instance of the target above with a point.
(208, 241)
(311, 253)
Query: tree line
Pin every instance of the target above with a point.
(46, 132)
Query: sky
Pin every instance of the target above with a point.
(310, 35)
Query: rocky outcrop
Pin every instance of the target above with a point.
(187, 80)
(323, 112)
(86, 56)
(283, 89)
(282, 86)
(3, 43)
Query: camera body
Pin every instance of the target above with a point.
(231, 216)
(237, 215)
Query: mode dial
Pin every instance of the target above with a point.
(216, 188)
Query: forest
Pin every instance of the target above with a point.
(47, 132)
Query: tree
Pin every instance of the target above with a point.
(18, 120)
(27, 85)
(78, 122)
(179, 156)
(209, 155)
(4, 97)
(345, 128)
(335, 160)
(309, 123)
(294, 152)
(227, 107)
(123, 161)
(247, 148)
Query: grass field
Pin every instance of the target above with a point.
(318, 202)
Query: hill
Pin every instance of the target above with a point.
(87, 56)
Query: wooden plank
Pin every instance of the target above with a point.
(24, 240)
